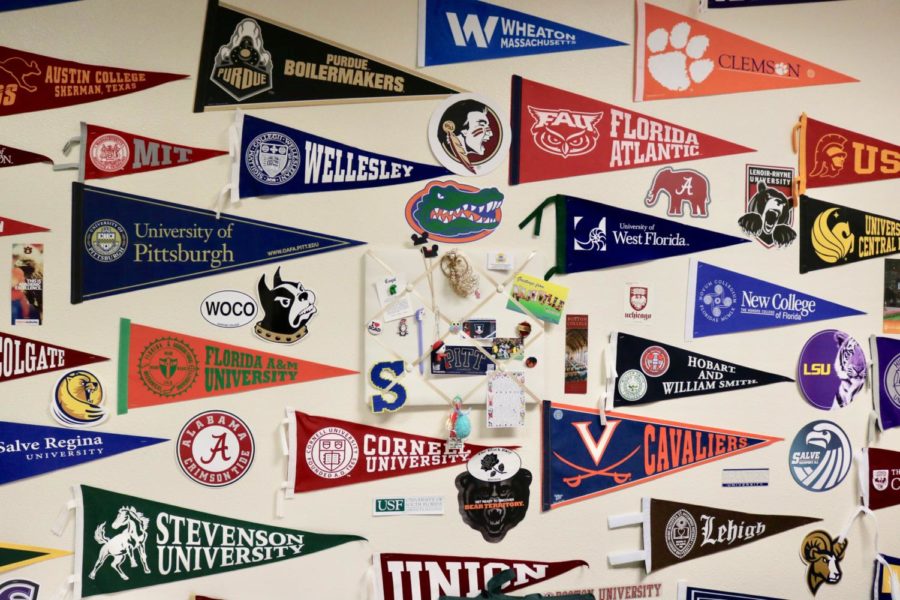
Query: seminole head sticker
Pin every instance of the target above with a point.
(454, 213)
(467, 135)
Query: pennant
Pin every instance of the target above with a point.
(16, 556)
(14, 157)
(429, 576)
(23, 357)
(454, 31)
(676, 532)
(558, 134)
(592, 235)
(495, 584)
(891, 311)
(883, 586)
(676, 56)
(885, 353)
(30, 82)
(171, 543)
(158, 366)
(17, 4)
(739, 3)
(248, 61)
(30, 450)
(647, 371)
(13, 227)
(275, 159)
(122, 243)
(724, 301)
(879, 477)
(690, 592)
(584, 458)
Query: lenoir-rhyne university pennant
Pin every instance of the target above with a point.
(676, 56)
(14, 157)
(23, 357)
(13, 227)
(560, 134)
(691, 592)
(252, 62)
(885, 353)
(15, 556)
(879, 477)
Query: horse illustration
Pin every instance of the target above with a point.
(123, 544)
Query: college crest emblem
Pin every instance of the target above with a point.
(243, 67)
(272, 158)
(331, 452)
(681, 533)
(637, 297)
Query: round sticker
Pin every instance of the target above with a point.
(655, 361)
(78, 400)
(468, 135)
(632, 385)
(820, 456)
(494, 464)
(109, 152)
(832, 369)
(215, 448)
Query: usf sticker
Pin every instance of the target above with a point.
(493, 492)
(768, 206)
(468, 135)
(215, 448)
(820, 456)
(454, 213)
(408, 505)
(832, 369)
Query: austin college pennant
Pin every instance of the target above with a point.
(15, 556)
(14, 157)
(453, 31)
(886, 380)
(558, 134)
(879, 477)
(122, 243)
(724, 301)
(690, 592)
(13, 227)
(23, 357)
(676, 56)
(251, 62)
(583, 458)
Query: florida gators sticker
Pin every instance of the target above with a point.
(454, 213)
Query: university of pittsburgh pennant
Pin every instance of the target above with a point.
(676, 56)
(583, 458)
(886, 379)
(453, 31)
(723, 301)
(558, 134)
(158, 366)
(35, 82)
(248, 61)
(879, 477)
(691, 592)
(591, 235)
(23, 357)
(122, 243)
(13, 227)
(14, 157)
(15, 556)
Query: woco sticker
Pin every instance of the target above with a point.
(468, 135)
(228, 309)
(820, 456)
(215, 448)
(454, 213)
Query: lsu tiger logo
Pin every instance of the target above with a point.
(78, 400)
(564, 132)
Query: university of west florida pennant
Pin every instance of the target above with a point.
(23, 357)
(558, 134)
(15, 556)
(691, 592)
(275, 159)
(453, 31)
(248, 61)
(30, 82)
(122, 243)
(158, 366)
(879, 477)
(30, 450)
(676, 56)
(886, 380)
(583, 458)
(591, 235)
(13, 227)
(647, 371)
(723, 301)
(14, 157)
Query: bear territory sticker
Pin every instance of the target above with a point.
(215, 448)
(493, 492)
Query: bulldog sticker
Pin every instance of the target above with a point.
(288, 307)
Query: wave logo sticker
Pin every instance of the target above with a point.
(455, 213)
(820, 456)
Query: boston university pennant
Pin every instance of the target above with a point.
(158, 366)
(690, 592)
(14, 157)
(15, 556)
(248, 61)
(122, 243)
(583, 458)
(558, 134)
(676, 56)
(13, 227)
(591, 235)
(22, 357)
(886, 380)
(879, 477)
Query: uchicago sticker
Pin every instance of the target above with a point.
(215, 448)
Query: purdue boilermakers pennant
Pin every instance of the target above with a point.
(690, 592)
(16, 556)
(13, 227)
(558, 134)
(583, 458)
(248, 61)
(122, 243)
(879, 477)
(886, 379)
(23, 357)
(14, 157)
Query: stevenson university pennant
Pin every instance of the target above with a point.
(15, 556)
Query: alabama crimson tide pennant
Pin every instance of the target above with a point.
(879, 477)
(13, 227)
(676, 56)
(23, 357)
(30, 82)
(558, 134)
(14, 157)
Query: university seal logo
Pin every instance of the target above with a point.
(109, 152)
(331, 452)
(655, 361)
(243, 67)
(681, 533)
(272, 158)
(168, 367)
(632, 385)
(564, 132)
(718, 300)
(105, 240)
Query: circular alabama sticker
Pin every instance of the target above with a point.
(832, 369)
(331, 452)
(215, 448)
(78, 400)
(168, 367)
(105, 240)
(494, 464)
(820, 456)
(632, 385)
(655, 361)
(468, 135)
(109, 153)
(272, 158)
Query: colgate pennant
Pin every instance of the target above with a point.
(22, 357)
(30, 82)
(14, 157)
(879, 479)
(560, 134)
(13, 227)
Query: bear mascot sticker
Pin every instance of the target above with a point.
(493, 492)
(288, 308)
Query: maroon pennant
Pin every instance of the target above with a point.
(14, 157)
(13, 227)
(881, 477)
(22, 357)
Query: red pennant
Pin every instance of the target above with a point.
(22, 357)
(560, 134)
(881, 477)
(30, 82)
(14, 157)
(13, 227)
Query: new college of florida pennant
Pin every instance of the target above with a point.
(724, 301)
(158, 366)
(122, 243)
(558, 134)
(690, 592)
(591, 235)
(13, 227)
(583, 458)
(879, 477)
(885, 353)
(251, 62)
(676, 56)
(36, 82)
(15, 556)
(14, 157)
(23, 357)
(453, 31)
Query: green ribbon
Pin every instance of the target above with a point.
(492, 589)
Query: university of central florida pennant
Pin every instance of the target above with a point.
(886, 585)
(429, 576)
(690, 592)
(583, 458)
(723, 301)
(23, 357)
(14, 157)
(15, 556)
(248, 61)
(13, 227)
(158, 366)
(125, 542)
(591, 235)
(558, 134)
(879, 477)
(453, 31)
(676, 532)
(647, 371)
(676, 56)
(122, 243)
(276, 159)
(886, 380)
(30, 82)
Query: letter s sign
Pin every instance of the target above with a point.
(385, 377)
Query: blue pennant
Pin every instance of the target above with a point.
(17, 4)
(739, 3)
(689, 592)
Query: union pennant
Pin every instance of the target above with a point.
(23, 357)
(16, 556)
(14, 157)
(13, 227)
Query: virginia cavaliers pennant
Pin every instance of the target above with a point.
(14, 157)
(560, 134)
(22, 357)
(15, 556)
(879, 477)
(886, 380)
(13, 227)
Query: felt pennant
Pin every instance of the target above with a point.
(690, 592)
(122, 243)
(13, 227)
(676, 56)
(879, 477)
(591, 235)
(23, 357)
(560, 134)
(14, 157)
(17, 4)
(495, 584)
(585, 456)
(886, 585)
(740, 3)
(723, 301)
(885, 353)
(891, 310)
(16, 556)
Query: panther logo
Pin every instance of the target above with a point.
(830, 156)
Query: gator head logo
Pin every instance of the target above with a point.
(564, 132)
(830, 156)
(243, 67)
(831, 240)
(454, 212)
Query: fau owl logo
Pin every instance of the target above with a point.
(565, 132)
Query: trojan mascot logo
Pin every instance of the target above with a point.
(243, 68)
(832, 240)
(830, 156)
(563, 132)
(288, 308)
(77, 400)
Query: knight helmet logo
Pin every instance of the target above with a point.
(125, 544)
(637, 297)
(243, 67)
(564, 132)
(831, 243)
(596, 237)
(830, 156)
(288, 308)
(680, 186)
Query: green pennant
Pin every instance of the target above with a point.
(14, 556)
